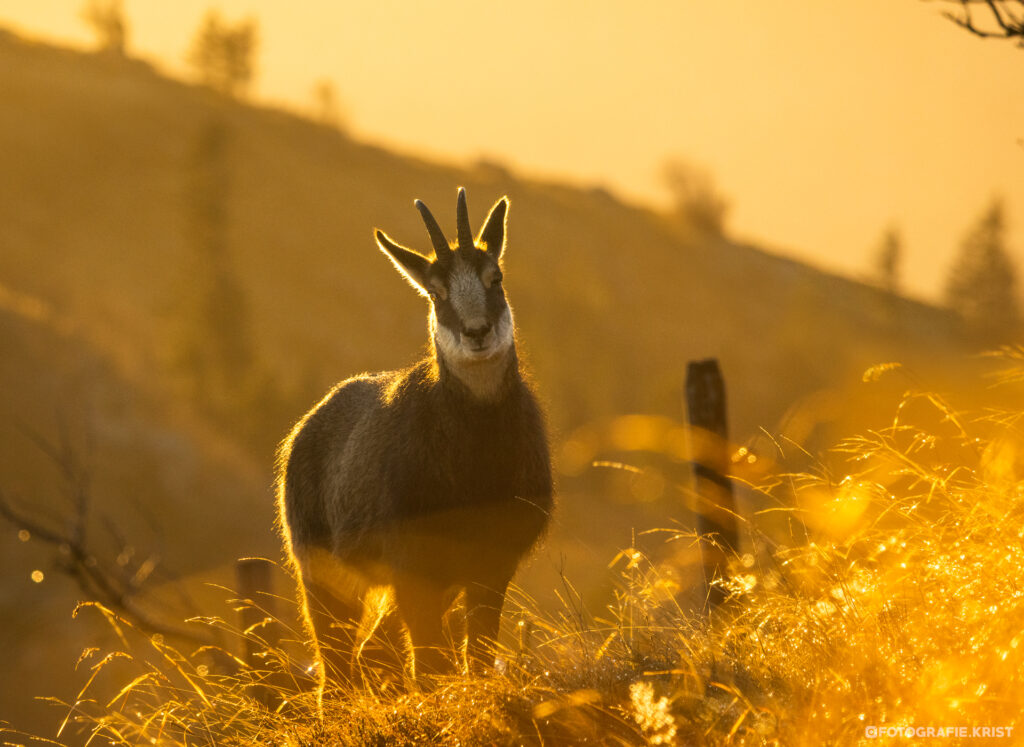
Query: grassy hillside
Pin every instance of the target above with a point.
(97, 204)
(904, 625)
(94, 197)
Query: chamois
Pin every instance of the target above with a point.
(430, 480)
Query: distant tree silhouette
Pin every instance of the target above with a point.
(695, 200)
(888, 258)
(328, 109)
(106, 18)
(214, 348)
(212, 351)
(982, 284)
(223, 55)
(1005, 18)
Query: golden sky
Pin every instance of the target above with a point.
(823, 122)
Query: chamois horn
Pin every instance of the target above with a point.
(462, 218)
(441, 249)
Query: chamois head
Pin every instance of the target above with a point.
(470, 319)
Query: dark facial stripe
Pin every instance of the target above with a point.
(468, 299)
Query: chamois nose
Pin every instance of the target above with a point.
(477, 333)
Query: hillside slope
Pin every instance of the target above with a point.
(611, 301)
(104, 161)
(158, 485)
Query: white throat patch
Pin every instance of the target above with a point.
(481, 371)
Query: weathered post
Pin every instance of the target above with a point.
(709, 448)
(254, 588)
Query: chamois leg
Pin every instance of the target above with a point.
(422, 606)
(483, 618)
(332, 619)
(380, 648)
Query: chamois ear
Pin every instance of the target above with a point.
(492, 235)
(413, 265)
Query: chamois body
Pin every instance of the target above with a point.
(430, 480)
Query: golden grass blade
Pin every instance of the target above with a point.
(144, 677)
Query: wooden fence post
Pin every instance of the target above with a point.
(254, 576)
(709, 444)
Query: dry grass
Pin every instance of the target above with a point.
(905, 608)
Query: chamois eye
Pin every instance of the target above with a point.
(437, 291)
(496, 280)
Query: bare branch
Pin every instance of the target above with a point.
(117, 584)
(97, 583)
(1005, 22)
(994, 7)
(23, 522)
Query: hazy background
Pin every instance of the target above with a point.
(822, 122)
(186, 267)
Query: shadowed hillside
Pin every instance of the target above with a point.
(152, 486)
(97, 205)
